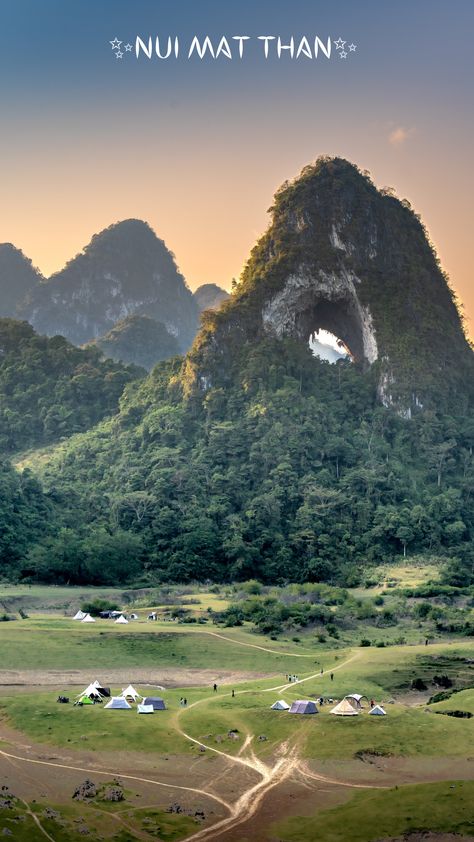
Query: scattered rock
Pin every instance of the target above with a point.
(175, 808)
(87, 789)
(48, 813)
(6, 832)
(262, 738)
(113, 793)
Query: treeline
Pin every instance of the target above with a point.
(292, 473)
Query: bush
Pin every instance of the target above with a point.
(365, 642)
(95, 607)
(418, 684)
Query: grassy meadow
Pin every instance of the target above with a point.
(219, 725)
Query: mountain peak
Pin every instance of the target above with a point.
(124, 270)
(343, 256)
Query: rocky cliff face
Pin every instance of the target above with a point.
(342, 256)
(18, 277)
(125, 270)
(210, 297)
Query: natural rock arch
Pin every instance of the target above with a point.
(307, 303)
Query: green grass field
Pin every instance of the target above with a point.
(370, 816)
(230, 727)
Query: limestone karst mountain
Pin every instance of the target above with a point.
(210, 297)
(18, 277)
(138, 340)
(343, 256)
(125, 270)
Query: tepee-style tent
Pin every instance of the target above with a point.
(344, 708)
(103, 691)
(88, 619)
(121, 620)
(145, 709)
(303, 706)
(155, 701)
(280, 705)
(131, 693)
(91, 692)
(377, 710)
(118, 703)
(79, 615)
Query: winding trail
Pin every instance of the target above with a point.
(287, 763)
(256, 646)
(114, 774)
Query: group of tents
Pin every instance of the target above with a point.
(96, 693)
(351, 705)
(83, 617)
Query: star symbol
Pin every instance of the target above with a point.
(352, 48)
(115, 44)
(118, 54)
(340, 44)
(343, 54)
(128, 48)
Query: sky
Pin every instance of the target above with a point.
(198, 147)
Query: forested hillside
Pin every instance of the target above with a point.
(138, 340)
(49, 389)
(251, 457)
(294, 473)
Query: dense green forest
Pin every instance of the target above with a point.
(251, 457)
(294, 473)
(50, 389)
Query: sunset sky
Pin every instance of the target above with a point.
(197, 148)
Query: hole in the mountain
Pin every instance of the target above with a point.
(327, 346)
(333, 328)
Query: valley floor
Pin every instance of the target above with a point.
(226, 767)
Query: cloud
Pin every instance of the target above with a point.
(399, 135)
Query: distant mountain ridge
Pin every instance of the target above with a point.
(124, 270)
(18, 277)
(138, 340)
(210, 297)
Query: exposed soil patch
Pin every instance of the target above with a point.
(166, 677)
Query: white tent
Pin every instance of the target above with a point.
(377, 710)
(88, 619)
(121, 619)
(356, 699)
(118, 703)
(280, 705)
(79, 615)
(145, 709)
(91, 691)
(344, 708)
(131, 693)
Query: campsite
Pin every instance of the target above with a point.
(232, 763)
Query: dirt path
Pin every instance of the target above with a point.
(113, 774)
(262, 648)
(286, 764)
